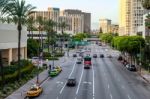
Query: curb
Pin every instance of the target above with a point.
(43, 80)
(143, 78)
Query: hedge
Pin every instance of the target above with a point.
(51, 58)
(13, 77)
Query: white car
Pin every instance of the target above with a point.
(37, 62)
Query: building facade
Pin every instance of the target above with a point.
(131, 16)
(76, 20)
(9, 43)
(105, 25)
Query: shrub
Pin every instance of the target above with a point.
(51, 58)
(46, 54)
(59, 54)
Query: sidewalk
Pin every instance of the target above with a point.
(21, 92)
(145, 75)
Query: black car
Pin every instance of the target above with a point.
(120, 58)
(94, 55)
(109, 56)
(101, 55)
(74, 55)
(71, 82)
(131, 67)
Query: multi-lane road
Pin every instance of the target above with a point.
(107, 79)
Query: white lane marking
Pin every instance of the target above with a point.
(93, 81)
(73, 68)
(69, 77)
(57, 97)
(108, 86)
(111, 96)
(44, 82)
(80, 81)
(63, 88)
(129, 97)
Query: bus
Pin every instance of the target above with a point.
(87, 62)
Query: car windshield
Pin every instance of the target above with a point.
(33, 89)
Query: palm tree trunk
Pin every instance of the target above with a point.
(48, 43)
(19, 43)
(32, 34)
(2, 72)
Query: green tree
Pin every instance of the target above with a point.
(51, 35)
(63, 26)
(80, 36)
(32, 47)
(129, 44)
(146, 4)
(30, 22)
(107, 37)
(40, 23)
(19, 10)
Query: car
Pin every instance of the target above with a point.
(34, 91)
(35, 60)
(109, 56)
(101, 55)
(131, 67)
(79, 60)
(120, 58)
(100, 44)
(94, 55)
(74, 55)
(71, 82)
(54, 72)
(58, 68)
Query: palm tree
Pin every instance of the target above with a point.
(63, 26)
(48, 27)
(146, 4)
(20, 11)
(30, 23)
(40, 21)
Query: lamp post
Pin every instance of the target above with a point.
(140, 59)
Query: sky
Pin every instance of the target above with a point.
(98, 8)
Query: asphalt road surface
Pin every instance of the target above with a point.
(107, 79)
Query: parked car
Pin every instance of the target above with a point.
(109, 56)
(120, 58)
(94, 55)
(124, 62)
(131, 67)
(101, 55)
(71, 82)
(35, 60)
(34, 91)
(74, 55)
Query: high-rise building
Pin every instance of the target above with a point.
(131, 16)
(52, 13)
(105, 25)
(76, 20)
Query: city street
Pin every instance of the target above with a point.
(107, 79)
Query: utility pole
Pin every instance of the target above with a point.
(140, 59)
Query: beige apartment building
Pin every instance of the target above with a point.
(105, 25)
(9, 43)
(131, 17)
(77, 20)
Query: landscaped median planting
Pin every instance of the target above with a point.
(11, 83)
